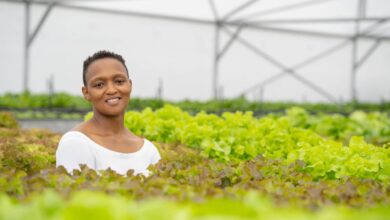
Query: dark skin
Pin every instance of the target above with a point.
(108, 89)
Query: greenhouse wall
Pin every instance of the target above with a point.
(178, 56)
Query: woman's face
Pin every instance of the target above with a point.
(108, 87)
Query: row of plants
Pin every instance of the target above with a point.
(239, 136)
(28, 100)
(78, 104)
(100, 206)
(48, 114)
(270, 175)
(373, 126)
(183, 175)
(183, 182)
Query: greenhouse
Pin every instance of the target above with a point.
(184, 109)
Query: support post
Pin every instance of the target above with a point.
(29, 38)
(26, 45)
(360, 13)
(216, 48)
(216, 61)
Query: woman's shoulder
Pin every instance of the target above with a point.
(74, 149)
(74, 139)
(73, 135)
(148, 144)
(76, 133)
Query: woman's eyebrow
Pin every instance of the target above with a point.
(97, 78)
(105, 78)
(119, 75)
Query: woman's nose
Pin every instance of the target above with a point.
(111, 88)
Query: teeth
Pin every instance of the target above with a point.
(113, 101)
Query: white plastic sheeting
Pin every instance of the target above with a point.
(173, 41)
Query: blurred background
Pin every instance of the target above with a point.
(264, 56)
(264, 50)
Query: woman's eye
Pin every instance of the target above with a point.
(98, 85)
(120, 82)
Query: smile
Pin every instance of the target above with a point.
(113, 101)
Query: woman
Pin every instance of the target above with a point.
(104, 141)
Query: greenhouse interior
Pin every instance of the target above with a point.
(195, 109)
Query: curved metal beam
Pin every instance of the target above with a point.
(283, 67)
(281, 9)
(238, 9)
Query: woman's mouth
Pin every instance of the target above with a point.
(113, 101)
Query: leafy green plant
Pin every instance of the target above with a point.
(7, 120)
(374, 126)
(240, 136)
(87, 204)
(28, 100)
(230, 166)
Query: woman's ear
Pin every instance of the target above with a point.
(86, 93)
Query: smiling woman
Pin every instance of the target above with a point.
(103, 141)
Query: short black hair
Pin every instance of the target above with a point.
(100, 55)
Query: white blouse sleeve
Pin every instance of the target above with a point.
(72, 152)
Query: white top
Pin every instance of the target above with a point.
(76, 148)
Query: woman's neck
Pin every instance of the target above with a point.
(108, 125)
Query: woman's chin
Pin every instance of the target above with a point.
(113, 113)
